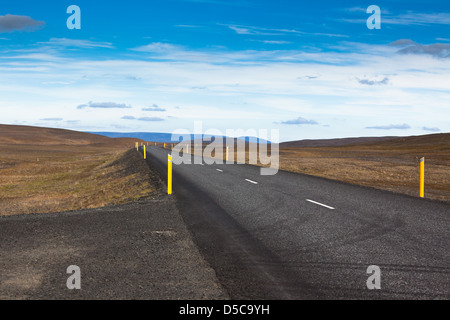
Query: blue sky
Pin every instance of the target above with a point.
(311, 69)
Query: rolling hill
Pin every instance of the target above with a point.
(18, 134)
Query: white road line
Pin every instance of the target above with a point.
(201, 164)
(320, 204)
(251, 181)
(219, 170)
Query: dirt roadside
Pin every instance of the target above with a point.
(140, 250)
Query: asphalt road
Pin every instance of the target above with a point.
(292, 236)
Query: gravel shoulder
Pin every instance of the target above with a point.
(141, 250)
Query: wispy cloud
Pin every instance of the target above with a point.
(246, 30)
(10, 23)
(309, 77)
(407, 19)
(79, 43)
(72, 121)
(261, 31)
(155, 107)
(356, 9)
(433, 129)
(300, 121)
(369, 82)
(104, 105)
(414, 18)
(438, 50)
(158, 47)
(391, 126)
(51, 119)
(150, 119)
(402, 42)
(142, 118)
(408, 46)
(274, 41)
(252, 30)
(186, 26)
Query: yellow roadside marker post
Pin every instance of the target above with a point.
(164, 145)
(169, 174)
(187, 148)
(145, 153)
(227, 155)
(137, 146)
(422, 177)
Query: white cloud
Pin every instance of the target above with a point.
(78, 43)
(153, 108)
(414, 18)
(187, 26)
(408, 19)
(260, 31)
(372, 82)
(245, 88)
(273, 41)
(158, 47)
(299, 121)
(52, 119)
(391, 126)
(438, 50)
(104, 105)
(151, 119)
(431, 129)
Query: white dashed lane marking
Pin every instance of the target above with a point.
(320, 204)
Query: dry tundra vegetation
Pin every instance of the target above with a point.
(389, 164)
(53, 170)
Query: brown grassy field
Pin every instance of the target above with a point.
(52, 170)
(391, 164)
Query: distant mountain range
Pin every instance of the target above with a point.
(339, 142)
(441, 139)
(167, 137)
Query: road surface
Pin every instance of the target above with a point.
(292, 236)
